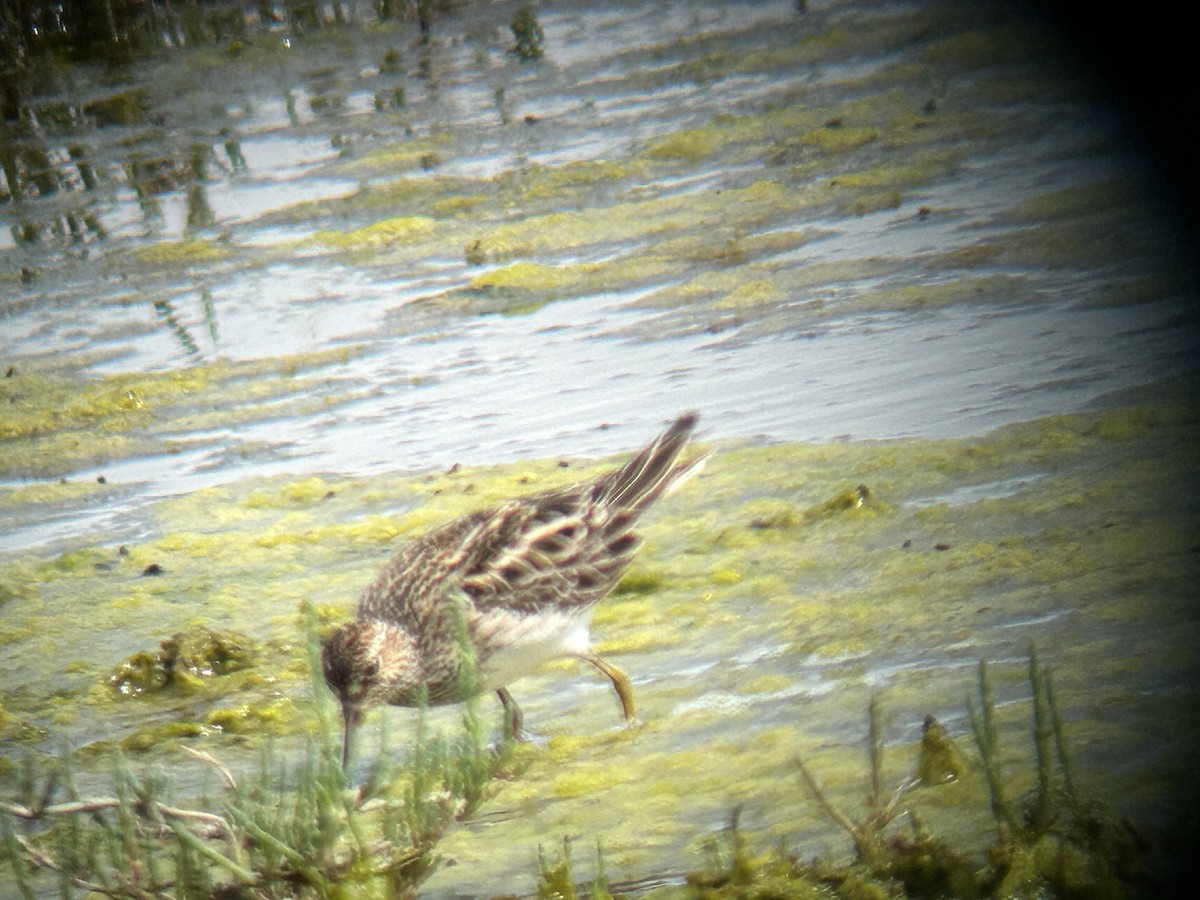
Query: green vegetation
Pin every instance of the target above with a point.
(1051, 842)
(54, 421)
(854, 550)
(289, 829)
(831, 557)
(300, 828)
(181, 660)
(763, 604)
(528, 33)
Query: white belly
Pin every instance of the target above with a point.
(515, 645)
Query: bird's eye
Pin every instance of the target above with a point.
(371, 669)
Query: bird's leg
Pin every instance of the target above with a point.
(620, 683)
(514, 718)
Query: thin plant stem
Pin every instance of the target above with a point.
(983, 724)
(822, 801)
(210, 853)
(875, 742)
(1060, 744)
(1042, 735)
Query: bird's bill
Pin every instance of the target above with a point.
(351, 717)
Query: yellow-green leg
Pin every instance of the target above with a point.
(620, 682)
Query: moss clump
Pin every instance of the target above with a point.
(182, 660)
(640, 220)
(522, 275)
(979, 48)
(156, 737)
(448, 207)
(54, 423)
(48, 493)
(914, 170)
(39, 404)
(851, 499)
(691, 145)
(770, 513)
(940, 760)
(411, 153)
(637, 582)
(555, 185)
(401, 229)
(1114, 195)
(179, 253)
(750, 294)
(839, 139)
(766, 684)
(253, 718)
(954, 292)
(530, 38)
(306, 491)
(871, 202)
(80, 561)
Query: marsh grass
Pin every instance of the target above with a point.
(295, 828)
(1050, 841)
(290, 828)
(558, 877)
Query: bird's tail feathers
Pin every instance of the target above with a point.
(654, 471)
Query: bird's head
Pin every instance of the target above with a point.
(362, 661)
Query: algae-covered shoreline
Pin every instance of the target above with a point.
(773, 598)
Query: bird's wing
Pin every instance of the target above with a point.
(556, 550)
(562, 549)
(567, 548)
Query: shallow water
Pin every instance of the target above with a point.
(491, 388)
(863, 224)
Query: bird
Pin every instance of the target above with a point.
(485, 599)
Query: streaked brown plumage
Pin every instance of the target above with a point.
(513, 586)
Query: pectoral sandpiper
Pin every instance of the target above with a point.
(485, 599)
